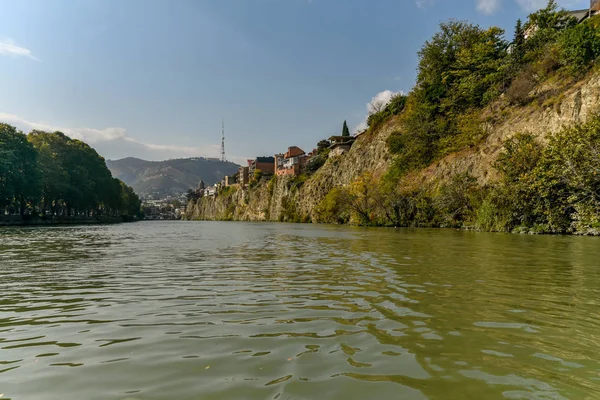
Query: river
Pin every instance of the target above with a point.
(208, 310)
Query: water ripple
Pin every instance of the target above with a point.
(255, 311)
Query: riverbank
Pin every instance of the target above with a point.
(532, 171)
(27, 220)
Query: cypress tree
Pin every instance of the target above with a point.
(345, 130)
(519, 42)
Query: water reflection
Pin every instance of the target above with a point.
(182, 310)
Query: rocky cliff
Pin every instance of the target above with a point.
(287, 199)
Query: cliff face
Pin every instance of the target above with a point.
(284, 199)
(569, 106)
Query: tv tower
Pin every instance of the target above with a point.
(223, 158)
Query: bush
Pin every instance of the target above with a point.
(316, 163)
(580, 46)
(333, 208)
(394, 107)
(456, 200)
(297, 181)
(272, 183)
(519, 91)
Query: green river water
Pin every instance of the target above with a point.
(176, 310)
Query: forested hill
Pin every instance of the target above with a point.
(170, 176)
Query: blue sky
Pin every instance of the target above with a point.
(152, 79)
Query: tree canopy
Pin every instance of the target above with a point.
(54, 175)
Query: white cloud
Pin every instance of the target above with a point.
(424, 3)
(532, 5)
(488, 7)
(378, 102)
(115, 143)
(9, 48)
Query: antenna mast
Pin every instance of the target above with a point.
(223, 158)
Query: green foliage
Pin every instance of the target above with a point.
(518, 45)
(296, 182)
(288, 211)
(394, 107)
(323, 147)
(19, 172)
(315, 163)
(461, 69)
(258, 174)
(545, 27)
(456, 201)
(228, 190)
(230, 212)
(271, 186)
(460, 65)
(345, 130)
(580, 46)
(58, 176)
(332, 209)
(552, 189)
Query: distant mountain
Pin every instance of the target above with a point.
(169, 177)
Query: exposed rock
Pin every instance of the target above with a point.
(282, 201)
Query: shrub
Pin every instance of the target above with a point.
(272, 183)
(333, 208)
(456, 200)
(394, 107)
(316, 163)
(580, 46)
(519, 91)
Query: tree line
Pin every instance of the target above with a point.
(51, 175)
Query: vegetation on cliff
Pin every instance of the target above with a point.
(471, 81)
(51, 175)
(469, 76)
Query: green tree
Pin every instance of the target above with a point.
(518, 45)
(580, 46)
(20, 183)
(460, 65)
(544, 27)
(345, 131)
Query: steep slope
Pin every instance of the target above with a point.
(170, 176)
(280, 200)
(573, 105)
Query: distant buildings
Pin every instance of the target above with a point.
(264, 164)
(292, 162)
(243, 176)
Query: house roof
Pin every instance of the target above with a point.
(580, 15)
(265, 159)
(341, 139)
(294, 151)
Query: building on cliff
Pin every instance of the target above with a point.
(264, 164)
(340, 145)
(292, 162)
(243, 176)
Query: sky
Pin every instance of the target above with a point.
(154, 78)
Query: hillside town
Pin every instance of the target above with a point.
(294, 162)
